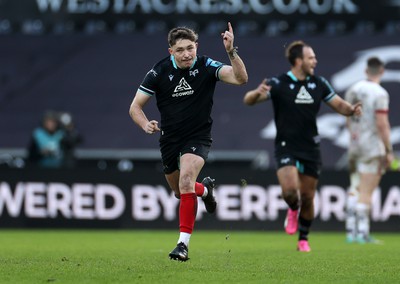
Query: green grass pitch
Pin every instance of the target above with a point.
(130, 256)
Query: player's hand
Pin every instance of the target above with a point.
(151, 127)
(389, 160)
(263, 87)
(228, 38)
(357, 109)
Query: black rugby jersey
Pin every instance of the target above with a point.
(184, 96)
(296, 105)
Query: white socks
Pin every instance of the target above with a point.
(184, 238)
(362, 213)
(351, 202)
(351, 221)
(205, 193)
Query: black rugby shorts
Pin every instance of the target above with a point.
(171, 152)
(305, 167)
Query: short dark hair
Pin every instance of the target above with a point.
(374, 65)
(181, 33)
(50, 115)
(294, 51)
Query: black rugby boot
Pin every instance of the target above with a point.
(209, 200)
(181, 252)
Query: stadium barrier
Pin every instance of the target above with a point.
(248, 199)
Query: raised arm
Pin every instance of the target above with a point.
(257, 95)
(235, 73)
(345, 108)
(138, 116)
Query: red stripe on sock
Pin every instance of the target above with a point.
(199, 189)
(187, 212)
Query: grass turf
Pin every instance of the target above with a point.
(128, 256)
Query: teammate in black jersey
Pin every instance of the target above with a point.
(296, 97)
(183, 84)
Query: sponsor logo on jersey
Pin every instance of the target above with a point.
(182, 89)
(285, 160)
(194, 72)
(213, 63)
(171, 77)
(311, 86)
(304, 97)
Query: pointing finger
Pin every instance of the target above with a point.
(230, 27)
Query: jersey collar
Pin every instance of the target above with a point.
(291, 75)
(176, 66)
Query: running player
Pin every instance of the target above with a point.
(183, 84)
(370, 150)
(296, 97)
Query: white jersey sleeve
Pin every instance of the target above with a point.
(382, 101)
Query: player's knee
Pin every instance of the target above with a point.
(307, 199)
(185, 184)
(290, 194)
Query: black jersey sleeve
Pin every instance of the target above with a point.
(328, 91)
(150, 81)
(213, 67)
(274, 82)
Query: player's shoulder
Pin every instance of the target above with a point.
(356, 87)
(382, 93)
(285, 77)
(279, 79)
(158, 68)
(278, 83)
(370, 88)
(363, 83)
(382, 90)
(322, 81)
(163, 64)
(203, 58)
(274, 81)
(319, 78)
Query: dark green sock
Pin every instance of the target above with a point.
(304, 228)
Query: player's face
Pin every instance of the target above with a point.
(309, 61)
(184, 52)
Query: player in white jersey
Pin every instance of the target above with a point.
(370, 151)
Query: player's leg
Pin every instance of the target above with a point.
(201, 189)
(190, 167)
(351, 202)
(205, 189)
(368, 182)
(370, 176)
(171, 158)
(173, 182)
(308, 185)
(289, 182)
